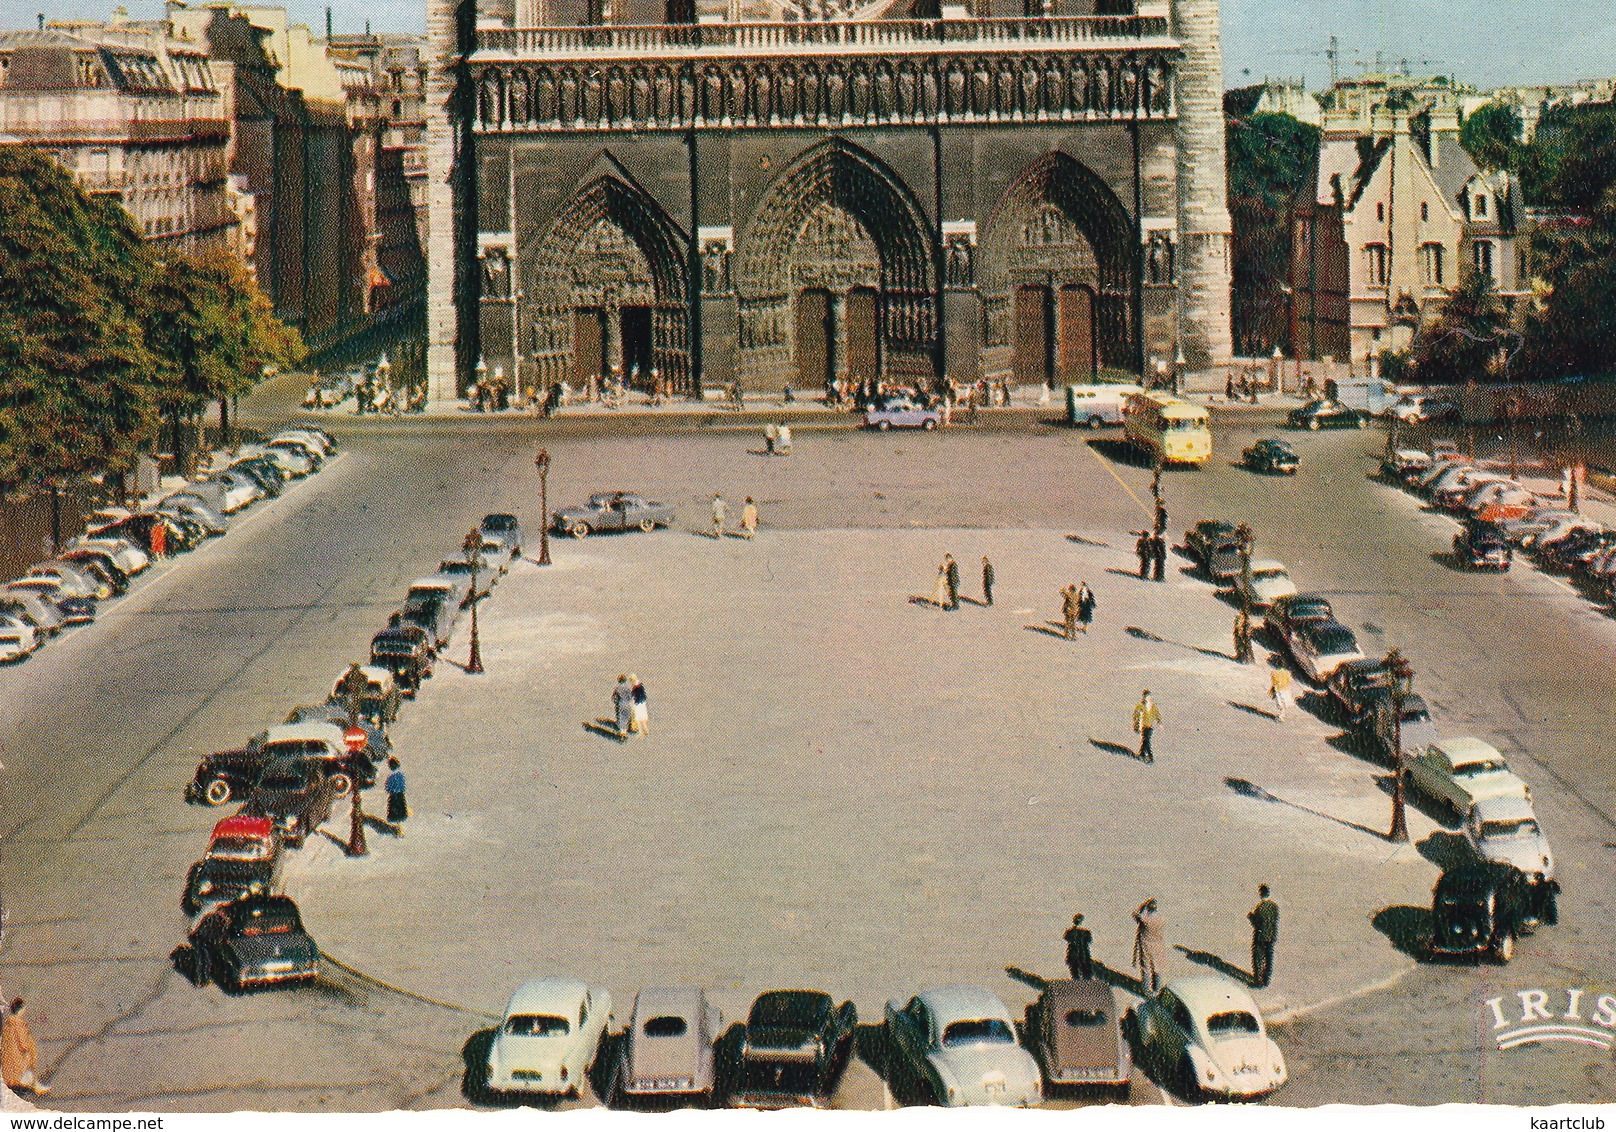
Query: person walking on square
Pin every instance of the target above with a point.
(1242, 636)
(783, 445)
(1149, 946)
(19, 1053)
(720, 513)
(953, 581)
(1158, 557)
(771, 438)
(640, 712)
(987, 581)
(1146, 551)
(398, 806)
(1085, 607)
(1146, 718)
(1279, 690)
(1079, 940)
(1264, 934)
(623, 705)
(1069, 612)
(749, 519)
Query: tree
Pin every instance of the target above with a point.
(1270, 157)
(1469, 340)
(1491, 135)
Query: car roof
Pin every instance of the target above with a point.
(1464, 750)
(963, 1001)
(687, 1002)
(434, 582)
(311, 729)
(1206, 995)
(1062, 994)
(1507, 808)
(1268, 564)
(547, 996)
(242, 825)
(1365, 666)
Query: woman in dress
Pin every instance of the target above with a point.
(1085, 606)
(939, 592)
(640, 719)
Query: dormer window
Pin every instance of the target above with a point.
(1478, 206)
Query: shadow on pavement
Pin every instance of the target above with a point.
(607, 728)
(1119, 452)
(1081, 541)
(1147, 635)
(1445, 850)
(1111, 748)
(1251, 790)
(1407, 928)
(1251, 709)
(1058, 634)
(1216, 962)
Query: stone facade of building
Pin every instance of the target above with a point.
(775, 194)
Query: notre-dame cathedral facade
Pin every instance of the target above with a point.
(796, 191)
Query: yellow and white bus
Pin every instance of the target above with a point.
(1168, 429)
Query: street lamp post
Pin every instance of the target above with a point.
(384, 378)
(1402, 681)
(353, 686)
(542, 462)
(474, 550)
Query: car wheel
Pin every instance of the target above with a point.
(928, 424)
(1503, 951)
(579, 530)
(882, 426)
(647, 525)
(341, 784)
(218, 792)
(1313, 425)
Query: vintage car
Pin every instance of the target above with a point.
(377, 745)
(1319, 414)
(1273, 457)
(1354, 687)
(1458, 773)
(432, 614)
(795, 1047)
(406, 652)
(378, 699)
(224, 775)
(243, 858)
(1213, 544)
(1076, 1033)
(125, 554)
(612, 511)
(1418, 729)
(16, 642)
(239, 490)
(1480, 909)
(668, 1049)
(1320, 647)
(1267, 582)
(1401, 464)
(1480, 547)
(899, 411)
(294, 793)
(254, 942)
(960, 1041)
(549, 1037)
(1205, 1034)
(506, 529)
(1506, 830)
(73, 609)
(101, 563)
(262, 471)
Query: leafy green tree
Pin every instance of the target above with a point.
(1470, 340)
(1491, 135)
(1270, 157)
(1573, 330)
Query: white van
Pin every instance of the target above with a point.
(1096, 405)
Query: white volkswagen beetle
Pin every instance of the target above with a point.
(961, 1041)
(1205, 1033)
(549, 1037)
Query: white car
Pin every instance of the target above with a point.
(289, 460)
(318, 441)
(16, 641)
(961, 1041)
(126, 556)
(549, 1037)
(240, 490)
(1506, 830)
(1206, 1032)
(1320, 647)
(1268, 580)
(1459, 773)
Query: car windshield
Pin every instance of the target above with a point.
(499, 523)
(1514, 828)
(537, 1025)
(789, 1010)
(666, 1026)
(1480, 766)
(1417, 715)
(1184, 424)
(1265, 575)
(1332, 642)
(269, 921)
(239, 848)
(978, 1031)
(1232, 1023)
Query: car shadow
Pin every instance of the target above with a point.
(606, 728)
(873, 1046)
(1216, 962)
(1356, 744)
(1415, 800)
(1445, 850)
(1407, 928)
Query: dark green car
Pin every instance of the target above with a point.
(1271, 457)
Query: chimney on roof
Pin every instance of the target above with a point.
(328, 21)
(367, 27)
(42, 21)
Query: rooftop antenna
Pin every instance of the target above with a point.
(328, 21)
(367, 27)
(42, 21)
(1334, 56)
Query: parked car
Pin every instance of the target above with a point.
(488, 570)
(506, 529)
(256, 942)
(1213, 544)
(1453, 495)
(795, 1047)
(240, 489)
(1506, 830)
(1549, 531)
(1418, 730)
(1496, 514)
(1076, 1033)
(1286, 615)
(612, 511)
(243, 859)
(1499, 493)
(1398, 465)
(69, 582)
(433, 616)
(548, 1037)
(1271, 456)
(38, 612)
(378, 699)
(1267, 582)
(1455, 477)
(295, 793)
(1573, 555)
(1427, 480)
(960, 1041)
(189, 505)
(1354, 686)
(1480, 547)
(72, 610)
(406, 652)
(1320, 647)
(224, 775)
(300, 447)
(125, 555)
(263, 471)
(101, 563)
(1205, 1034)
(1319, 414)
(17, 642)
(668, 1048)
(898, 411)
(317, 440)
(1480, 909)
(334, 711)
(1412, 408)
(292, 462)
(1458, 773)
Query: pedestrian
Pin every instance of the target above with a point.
(159, 538)
(1279, 690)
(398, 806)
(971, 400)
(1085, 607)
(19, 1054)
(953, 581)
(749, 519)
(1161, 518)
(1146, 718)
(623, 705)
(783, 445)
(207, 932)
(771, 437)
(1079, 939)
(1069, 612)
(987, 581)
(1264, 934)
(1149, 946)
(1242, 636)
(720, 513)
(1144, 549)
(1158, 557)
(939, 591)
(1228, 388)
(790, 395)
(640, 717)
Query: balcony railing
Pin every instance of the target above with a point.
(823, 37)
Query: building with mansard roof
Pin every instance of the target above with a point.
(800, 191)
